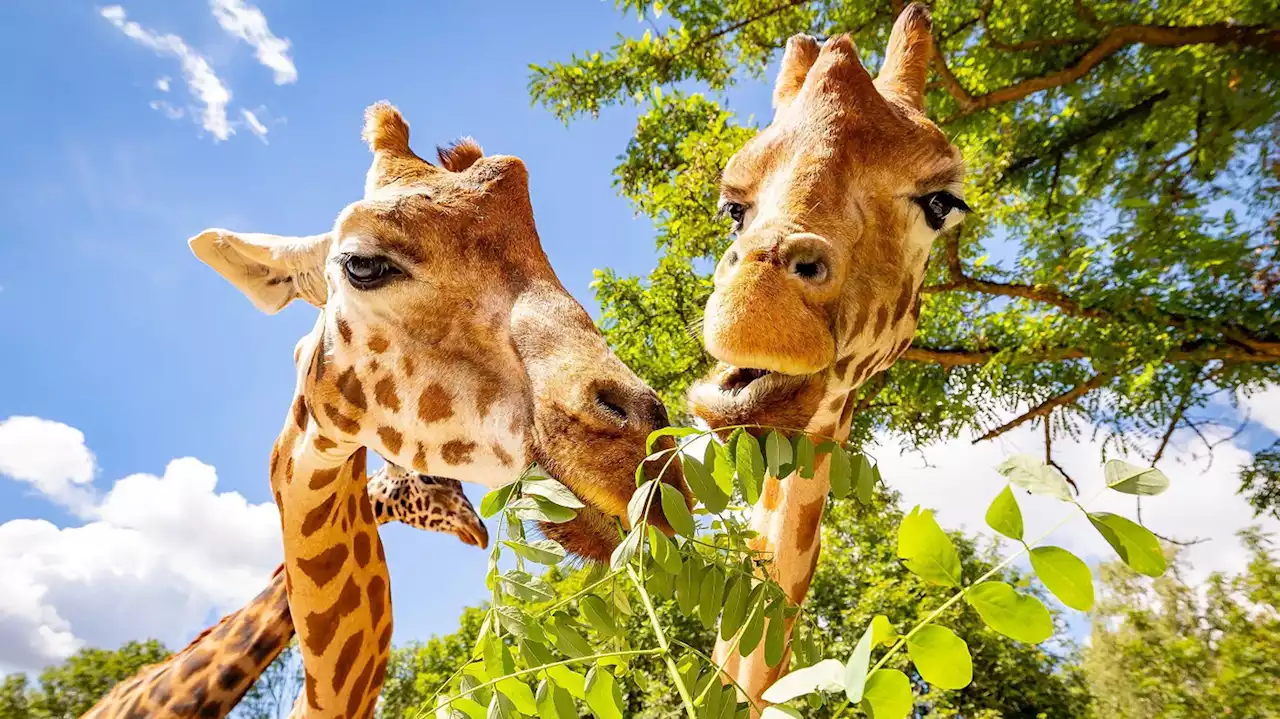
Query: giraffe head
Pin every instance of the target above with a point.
(835, 205)
(446, 343)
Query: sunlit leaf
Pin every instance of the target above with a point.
(663, 552)
(887, 695)
(623, 553)
(710, 595)
(702, 484)
(1017, 616)
(657, 434)
(941, 657)
(1066, 575)
(676, 511)
(882, 630)
(735, 606)
(1129, 479)
(825, 676)
(540, 509)
(597, 614)
(804, 455)
(1031, 474)
(775, 633)
(864, 483)
(777, 452)
(855, 669)
(840, 474)
(554, 702)
(1004, 516)
(604, 697)
(519, 693)
(552, 491)
(928, 551)
(495, 500)
(542, 551)
(640, 500)
(750, 464)
(1136, 545)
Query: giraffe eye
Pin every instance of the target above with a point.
(735, 211)
(937, 206)
(367, 273)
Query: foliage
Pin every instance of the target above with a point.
(1163, 649)
(70, 689)
(1123, 264)
(546, 646)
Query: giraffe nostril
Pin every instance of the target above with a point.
(611, 403)
(811, 270)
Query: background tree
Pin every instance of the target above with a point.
(67, 690)
(1122, 265)
(1015, 680)
(272, 695)
(1163, 649)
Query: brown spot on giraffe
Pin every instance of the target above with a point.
(322, 478)
(391, 439)
(321, 626)
(406, 363)
(457, 451)
(318, 516)
(501, 454)
(904, 300)
(420, 459)
(435, 404)
(300, 411)
(809, 520)
(772, 493)
(346, 658)
(323, 443)
(344, 423)
(326, 565)
(377, 343)
(384, 393)
(882, 320)
(377, 591)
(363, 549)
(357, 689)
(351, 389)
(344, 329)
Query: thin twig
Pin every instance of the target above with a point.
(1047, 406)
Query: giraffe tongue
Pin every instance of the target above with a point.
(739, 378)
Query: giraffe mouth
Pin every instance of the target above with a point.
(738, 379)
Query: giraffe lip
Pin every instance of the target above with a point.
(738, 379)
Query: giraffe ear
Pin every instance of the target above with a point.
(906, 59)
(271, 270)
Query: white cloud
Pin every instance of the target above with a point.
(156, 557)
(49, 455)
(171, 112)
(162, 84)
(202, 81)
(249, 24)
(255, 125)
(958, 479)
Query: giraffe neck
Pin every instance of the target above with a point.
(210, 676)
(335, 570)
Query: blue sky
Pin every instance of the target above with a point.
(133, 354)
(114, 328)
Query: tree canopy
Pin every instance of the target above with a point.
(1121, 268)
(69, 689)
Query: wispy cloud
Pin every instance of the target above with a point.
(163, 84)
(255, 125)
(201, 80)
(249, 24)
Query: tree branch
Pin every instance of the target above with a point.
(1047, 406)
(1191, 351)
(1115, 40)
(1087, 133)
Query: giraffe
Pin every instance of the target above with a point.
(835, 207)
(232, 654)
(446, 343)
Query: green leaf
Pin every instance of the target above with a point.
(603, 695)
(495, 500)
(640, 501)
(1135, 544)
(569, 680)
(597, 614)
(540, 509)
(518, 623)
(500, 707)
(519, 693)
(722, 469)
(527, 587)
(882, 631)
(781, 712)
(1014, 615)
(750, 465)
(1066, 575)
(804, 454)
(1035, 476)
(825, 676)
(664, 552)
(702, 484)
(777, 452)
(855, 669)
(542, 551)
(941, 657)
(753, 630)
(553, 492)
(554, 702)
(928, 551)
(688, 585)
(1126, 478)
(841, 474)
(864, 483)
(775, 634)
(535, 654)
(567, 639)
(657, 434)
(470, 708)
(623, 553)
(709, 597)
(1004, 516)
(887, 695)
(676, 511)
(735, 606)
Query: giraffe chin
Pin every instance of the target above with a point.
(592, 535)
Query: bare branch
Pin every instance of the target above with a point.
(1044, 408)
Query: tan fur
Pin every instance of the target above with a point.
(830, 182)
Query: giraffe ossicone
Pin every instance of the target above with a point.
(836, 205)
(446, 343)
